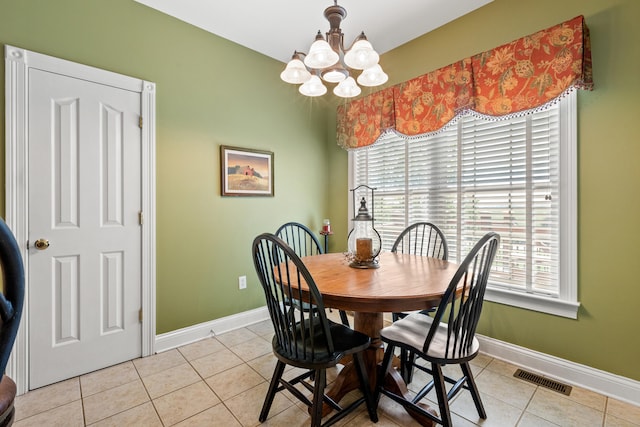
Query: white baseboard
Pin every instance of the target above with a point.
(602, 382)
(195, 333)
(618, 387)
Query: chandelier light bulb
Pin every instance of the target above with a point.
(313, 87)
(361, 55)
(373, 76)
(347, 88)
(335, 75)
(295, 72)
(321, 55)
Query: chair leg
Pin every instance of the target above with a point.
(320, 382)
(344, 318)
(382, 371)
(407, 360)
(441, 392)
(366, 388)
(473, 389)
(273, 388)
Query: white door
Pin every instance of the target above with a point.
(84, 186)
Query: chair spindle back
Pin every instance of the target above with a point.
(461, 304)
(300, 334)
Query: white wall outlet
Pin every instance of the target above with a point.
(242, 282)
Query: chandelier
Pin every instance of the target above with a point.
(328, 60)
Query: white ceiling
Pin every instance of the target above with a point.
(278, 27)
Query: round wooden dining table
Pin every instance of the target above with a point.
(402, 282)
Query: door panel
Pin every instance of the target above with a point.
(84, 198)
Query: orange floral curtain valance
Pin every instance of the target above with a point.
(362, 121)
(534, 70)
(428, 102)
(523, 75)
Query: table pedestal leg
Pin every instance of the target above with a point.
(347, 379)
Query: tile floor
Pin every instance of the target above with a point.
(222, 381)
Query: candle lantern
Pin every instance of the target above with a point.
(364, 241)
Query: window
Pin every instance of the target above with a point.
(516, 177)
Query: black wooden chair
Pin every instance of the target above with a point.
(304, 243)
(425, 239)
(11, 301)
(305, 338)
(448, 337)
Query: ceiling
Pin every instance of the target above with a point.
(278, 27)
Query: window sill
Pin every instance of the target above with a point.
(542, 304)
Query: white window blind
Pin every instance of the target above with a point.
(481, 175)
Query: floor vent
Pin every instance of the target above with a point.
(544, 382)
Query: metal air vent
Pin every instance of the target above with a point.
(543, 382)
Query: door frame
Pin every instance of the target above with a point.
(18, 62)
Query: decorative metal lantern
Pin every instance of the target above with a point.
(364, 241)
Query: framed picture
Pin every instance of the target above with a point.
(246, 172)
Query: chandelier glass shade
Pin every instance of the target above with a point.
(329, 61)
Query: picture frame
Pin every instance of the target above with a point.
(246, 172)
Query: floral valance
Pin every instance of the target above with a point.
(514, 78)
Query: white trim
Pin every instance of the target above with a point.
(195, 333)
(18, 62)
(148, 106)
(615, 386)
(569, 199)
(533, 302)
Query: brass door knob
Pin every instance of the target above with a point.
(42, 244)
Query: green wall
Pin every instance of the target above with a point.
(211, 92)
(605, 334)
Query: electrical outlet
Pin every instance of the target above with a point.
(242, 282)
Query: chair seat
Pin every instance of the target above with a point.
(345, 341)
(7, 397)
(411, 332)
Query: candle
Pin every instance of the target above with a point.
(326, 226)
(363, 249)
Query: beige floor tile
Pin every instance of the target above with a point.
(624, 411)
(143, 415)
(246, 406)
(508, 389)
(217, 362)
(588, 398)
(234, 381)
(613, 421)
(264, 365)
(158, 362)
(200, 348)
(252, 349)
(184, 403)
(107, 378)
(170, 380)
(111, 402)
(236, 337)
(69, 415)
(262, 328)
(290, 417)
(361, 419)
(45, 398)
(530, 420)
(237, 368)
(502, 367)
(554, 407)
(499, 413)
(481, 360)
(219, 415)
